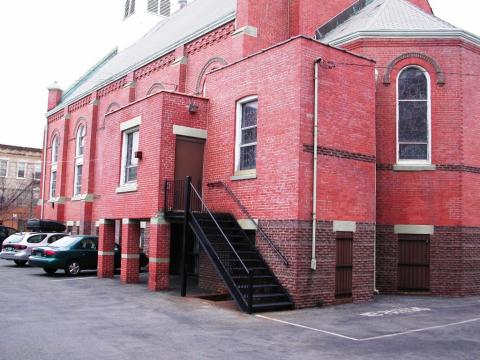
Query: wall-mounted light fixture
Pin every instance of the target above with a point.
(193, 108)
(139, 155)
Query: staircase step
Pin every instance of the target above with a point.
(246, 277)
(268, 295)
(276, 306)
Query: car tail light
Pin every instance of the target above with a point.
(49, 252)
(21, 247)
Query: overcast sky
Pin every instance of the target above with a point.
(57, 40)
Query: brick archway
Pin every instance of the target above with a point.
(414, 55)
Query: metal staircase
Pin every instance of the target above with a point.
(247, 276)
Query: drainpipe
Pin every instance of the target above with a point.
(313, 263)
(44, 168)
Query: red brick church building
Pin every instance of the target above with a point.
(361, 117)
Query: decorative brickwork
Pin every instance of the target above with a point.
(340, 154)
(210, 39)
(79, 104)
(57, 116)
(154, 66)
(414, 55)
(112, 87)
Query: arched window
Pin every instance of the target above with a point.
(80, 141)
(413, 112)
(79, 150)
(55, 148)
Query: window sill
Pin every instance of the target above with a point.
(126, 188)
(419, 167)
(244, 175)
(83, 197)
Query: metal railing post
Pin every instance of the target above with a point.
(250, 292)
(186, 209)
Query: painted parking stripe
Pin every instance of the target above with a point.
(373, 337)
(307, 328)
(73, 279)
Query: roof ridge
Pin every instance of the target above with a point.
(379, 12)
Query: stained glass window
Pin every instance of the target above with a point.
(413, 115)
(248, 136)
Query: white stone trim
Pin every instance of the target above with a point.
(414, 229)
(106, 253)
(105, 222)
(247, 224)
(130, 221)
(190, 132)
(344, 226)
(128, 187)
(129, 124)
(130, 256)
(244, 175)
(180, 61)
(159, 260)
(130, 85)
(246, 30)
(58, 200)
(404, 167)
(77, 223)
(70, 223)
(143, 224)
(159, 220)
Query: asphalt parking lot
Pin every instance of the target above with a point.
(46, 317)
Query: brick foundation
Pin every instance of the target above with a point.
(454, 261)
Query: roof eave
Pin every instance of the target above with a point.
(409, 34)
(148, 60)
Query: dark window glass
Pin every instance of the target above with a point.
(248, 157)
(413, 122)
(248, 141)
(36, 239)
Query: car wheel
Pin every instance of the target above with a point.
(72, 268)
(20, 262)
(50, 271)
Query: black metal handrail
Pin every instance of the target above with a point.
(193, 197)
(247, 213)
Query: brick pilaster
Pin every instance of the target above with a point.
(130, 251)
(106, 244)
(159, 256)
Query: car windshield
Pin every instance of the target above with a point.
(16, 238)
(66, 241)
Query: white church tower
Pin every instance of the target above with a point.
(139, 16)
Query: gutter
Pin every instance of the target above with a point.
(313, 262)
(45, 135)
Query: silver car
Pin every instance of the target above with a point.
(18, 247)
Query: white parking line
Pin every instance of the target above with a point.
(73, 279)
(373, 337)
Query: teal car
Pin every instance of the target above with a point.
(71, 253)
(74, 254)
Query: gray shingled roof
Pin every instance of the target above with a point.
(197, 18)
(388, 16)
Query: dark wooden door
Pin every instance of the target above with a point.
(344, 266)
(188, 162)
(414, 263)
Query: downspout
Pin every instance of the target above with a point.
(44, 168)
(313, 263)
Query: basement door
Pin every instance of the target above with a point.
(414, 263)
(344, 265)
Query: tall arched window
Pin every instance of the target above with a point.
(53, 171)
(79, 150)
(413, 111)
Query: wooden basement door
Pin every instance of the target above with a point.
(344, 265)
(414, 263)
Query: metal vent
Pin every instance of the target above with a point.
(129, 7)
(159, 7)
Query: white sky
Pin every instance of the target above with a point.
(57, 40)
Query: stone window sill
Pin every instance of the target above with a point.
(244, 175)
(405, 167)
(126, 188)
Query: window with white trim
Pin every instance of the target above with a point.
(413, 116)
(129, 8)
(55, 148)
(129, 161)
(246, 134)
(21, 169)
(37, 172)
(79, 151)
(3, 168)
(53, 184)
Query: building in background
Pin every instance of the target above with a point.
(336, 142)
(20, 175)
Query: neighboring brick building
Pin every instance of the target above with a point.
(20, 172)
(226, 92)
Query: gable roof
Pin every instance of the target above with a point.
(391, 18)
(196, 19)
